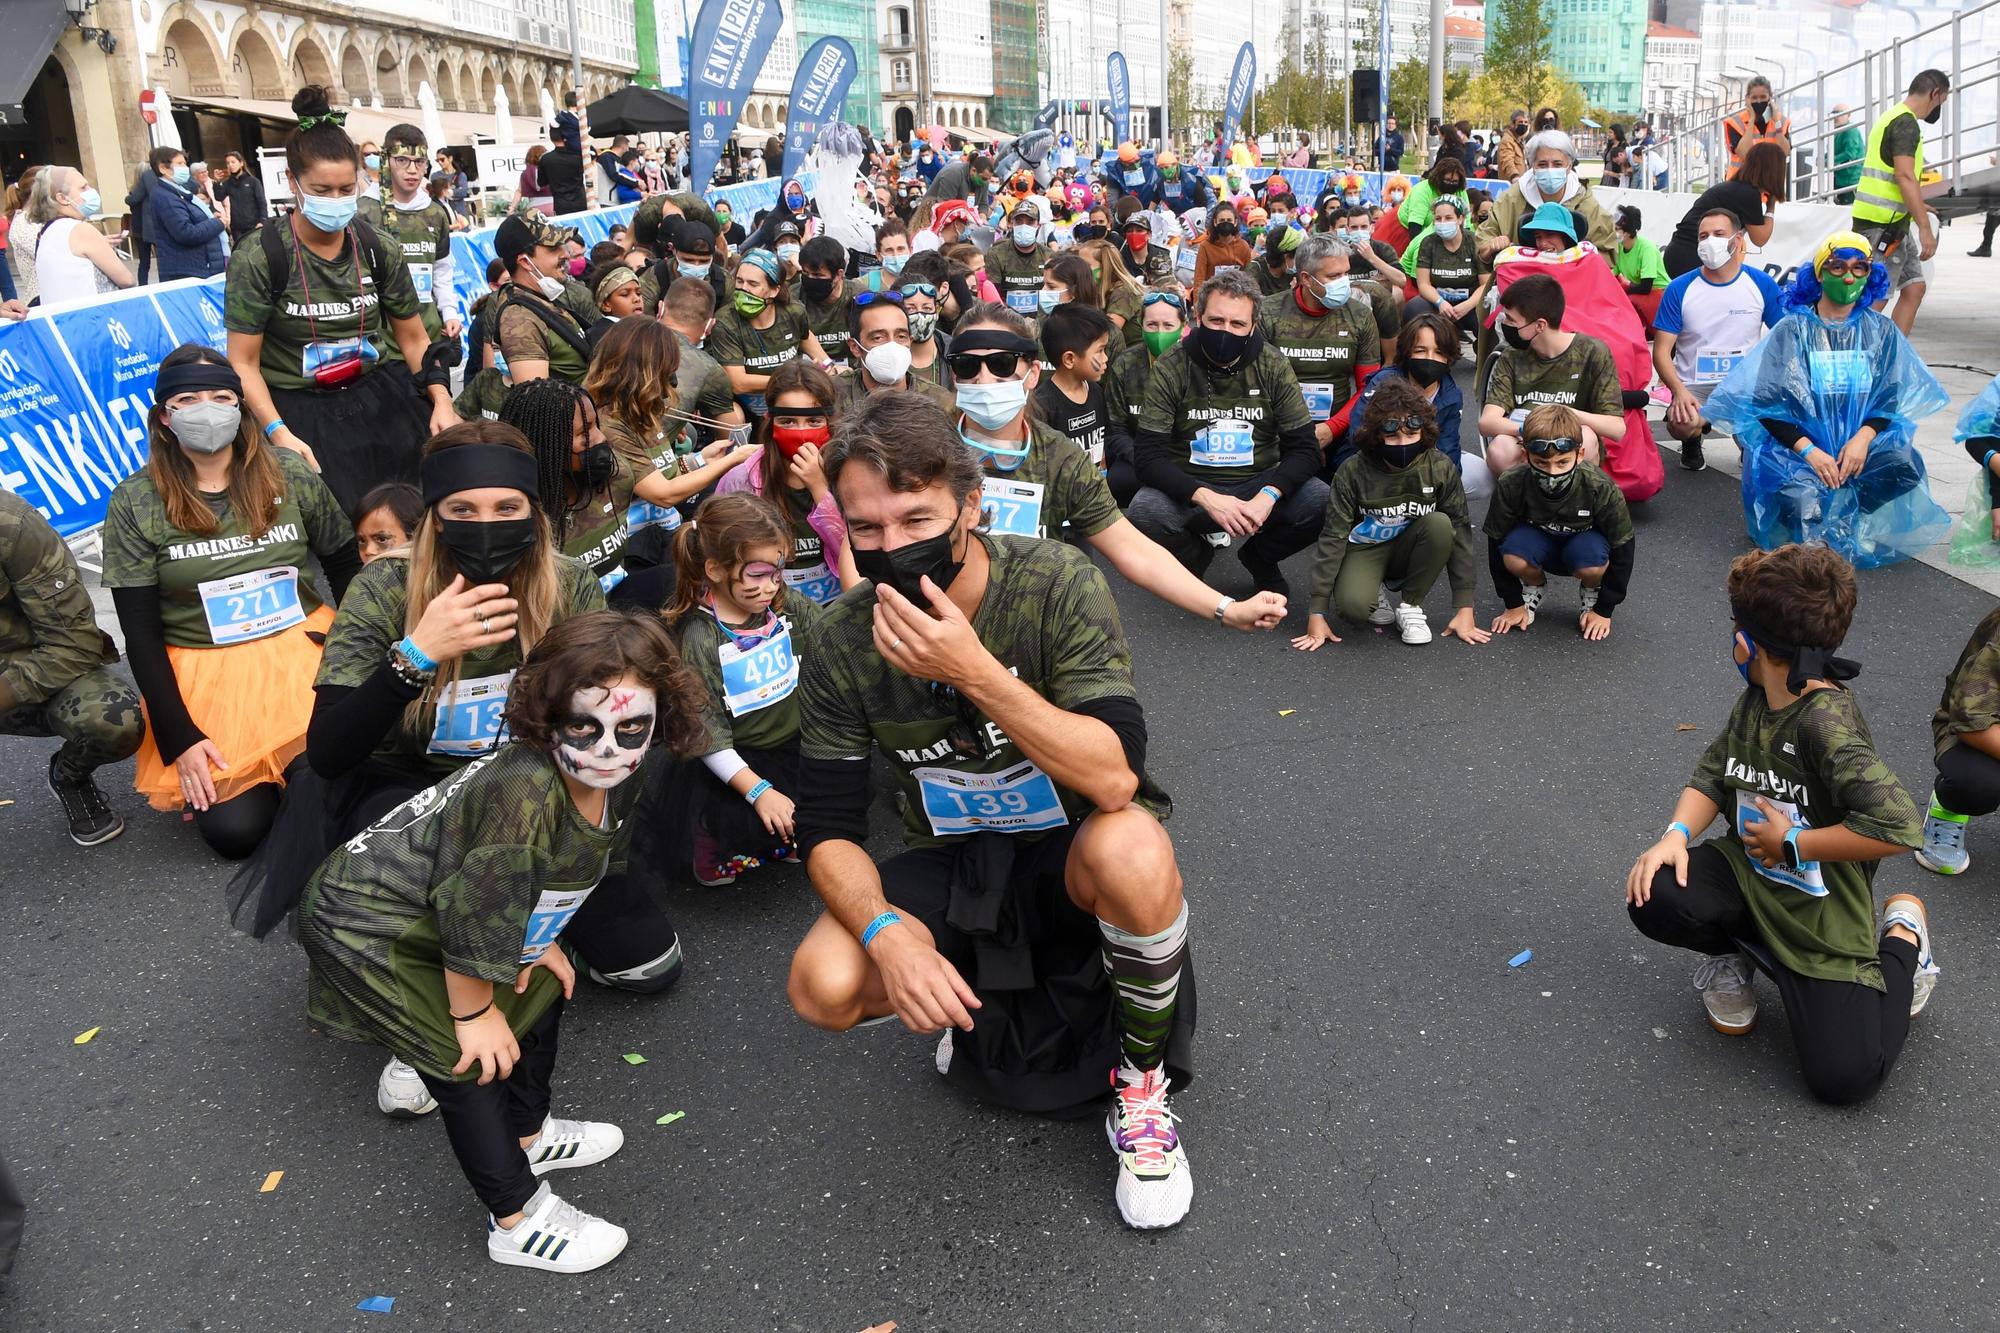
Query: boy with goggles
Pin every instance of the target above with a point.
(1558, 514)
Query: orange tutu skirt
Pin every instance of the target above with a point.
(254, 700)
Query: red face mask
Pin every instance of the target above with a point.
(1137, 242)
(793, 438)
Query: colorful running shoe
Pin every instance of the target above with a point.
(1154, 1184)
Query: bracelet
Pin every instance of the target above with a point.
(877, 926)
(1272, 491)
(480, 1013)
(404, 670)
(1222, 609)
(756, 791)
(1687, 834)
(1987, 462)
(415, 655)
(277, 423)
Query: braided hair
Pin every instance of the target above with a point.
(545, 411)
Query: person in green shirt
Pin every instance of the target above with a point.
(762, 330)
(1017, 259)
(1450, 277)
(707, 401)
(311, 305)
(420, 227)
(208, 553)
(1162, 321)
(535, 328)
(1810, 811)
(1038, 889)
(1637, 262)
(1329, 339)
(1848, 151)
(822, 293)
(1540, 363)
(443, 931)
(1558, 515)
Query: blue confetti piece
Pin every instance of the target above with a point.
(1520, 958)
(378, 1305)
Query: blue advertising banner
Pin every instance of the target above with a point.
(1121, 95)
(731, 40)
(818, 90)
(1242, 81)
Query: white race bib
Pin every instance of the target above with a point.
(251, 606)
(757, 677)
(553, 912)
(1808, 878)
(1319, 400)
(1021, 799)
(469, 716)
(817, 582)
(1714, 367)
(1012, 507)
(1225, 443)
(420, 278)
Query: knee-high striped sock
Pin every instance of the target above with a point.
(1146, 971)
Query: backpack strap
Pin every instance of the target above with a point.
(274, 234)
(560, 322)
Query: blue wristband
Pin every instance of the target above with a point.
(273, 428)
(756, 791)
(877, 926)
(1686, 832)
(1271, 491)
(1987, 461)
(415, 655)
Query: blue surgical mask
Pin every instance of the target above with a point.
(182, 176)
(1446, 231)
(789, 253)
(500, 363)
(1024, 235)
(992, 406)
(688, 270)
(89, 203)
(1048, 300)
(894, 263)
(373, 161)
(328, 214)
(1550, 181)
(1335, 293)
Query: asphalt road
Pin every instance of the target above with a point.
(1390, 1128)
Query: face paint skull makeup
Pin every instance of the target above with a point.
(603, 740)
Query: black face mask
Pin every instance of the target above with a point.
(1225, 229)
(487, 552)
(906, 567)
(1219, 347)
(1400, 456)
(1515, 338)
(600, 465)
(817, 290)
(1521, 130)
(1762, 111)
(1936, 112)
(1083, 231)
(1426, 372)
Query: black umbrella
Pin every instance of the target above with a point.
(636, 110)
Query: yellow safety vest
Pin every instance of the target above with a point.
(1876, 198)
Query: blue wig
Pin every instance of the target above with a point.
(1804, 293)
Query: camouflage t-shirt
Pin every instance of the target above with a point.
(735, 341)
(481, 396)
(1971, 699)
(1047, 615)
(479, 874)
(324, 310)
(1124, 302)
(1455, 274)
(1125, 385)
(1323, 351)
(754, 702)
(704, 388)
(594, 529)
(525, 335)
(1370, 505)
(1055, 484)
(423, 237)
(225, 587)
(1385, 301)
(1581, 376)
(1017, 276)
(1593, 500)
(370, 619)
(1199, 410)
(1815, 760)
(828, 322)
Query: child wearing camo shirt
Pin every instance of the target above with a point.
(1558, 514)
(1966, 729)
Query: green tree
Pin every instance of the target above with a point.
(1519, 42)
(1410, 92)
(1180, 93)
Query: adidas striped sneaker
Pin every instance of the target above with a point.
(568, 1143)
(555, 1237)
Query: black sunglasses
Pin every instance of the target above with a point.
(966, 735)
(1561, 444)
(1409, 425)
(966, 365)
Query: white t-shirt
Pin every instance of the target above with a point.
(1713, 323)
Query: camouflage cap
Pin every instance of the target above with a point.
(522, 232)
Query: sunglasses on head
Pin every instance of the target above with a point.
(863, 300)
(1170, 298)
(917, 289)
(966, 365)
(1560, 444)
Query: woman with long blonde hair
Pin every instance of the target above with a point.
(1118, 293)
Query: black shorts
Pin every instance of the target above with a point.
(1045, 1043)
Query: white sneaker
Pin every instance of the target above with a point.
(1727, 988)
(400, 1092)
(1907, 910)
(1155, 1186)
(1385, 610)
(555, 1237)
(568, 1143)
(1415, 628)
(1531, 597)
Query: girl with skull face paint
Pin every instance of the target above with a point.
(445, 931)
(207, 554)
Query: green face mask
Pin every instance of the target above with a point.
(749, 303)
(1159, 340)
(1843, 289)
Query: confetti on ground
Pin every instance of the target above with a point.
(1548, 994)
(1286, 712)
(83, 1038)
(270, 1182)
(377, 1304)
(1520, 957)
(670, 1117)
(1685, 726)
(634, 1059)
(6, 803)
(1661, 1033)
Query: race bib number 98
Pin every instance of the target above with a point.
(1225, 443)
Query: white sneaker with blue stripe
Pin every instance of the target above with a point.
(554, 1236)
(1907, 910)
(568, 1143)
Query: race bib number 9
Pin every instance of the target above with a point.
(251, 606)
(1021, 799)
(1808, 878)
(469, 716)
(1012, 507)
(757, 677)
(1225, 443)
(554, 910)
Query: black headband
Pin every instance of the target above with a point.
(991, 339)
(193, 376)
(472, 466)
(1809, 661)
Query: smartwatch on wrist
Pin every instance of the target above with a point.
(1222, 610)
(1793, 860)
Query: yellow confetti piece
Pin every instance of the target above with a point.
(635, 1059)
(6, 803)
(1286, 712)
(83, 1038)
(670, 1117)
(270, 1182)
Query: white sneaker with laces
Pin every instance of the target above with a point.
(1385, 610)
(1727, 988)
(555, 1237)
(400, 1092)
(568, 1143)
(1411, 620)
(1531, 597)
(1907, 910)
(1155, 1186)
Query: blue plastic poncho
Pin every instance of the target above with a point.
(1972, 542)
(1827, 379)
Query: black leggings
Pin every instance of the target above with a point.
(486, 1124)
(236, 827)
(1847, 1035)
(1968, 781)
(1123, 479)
